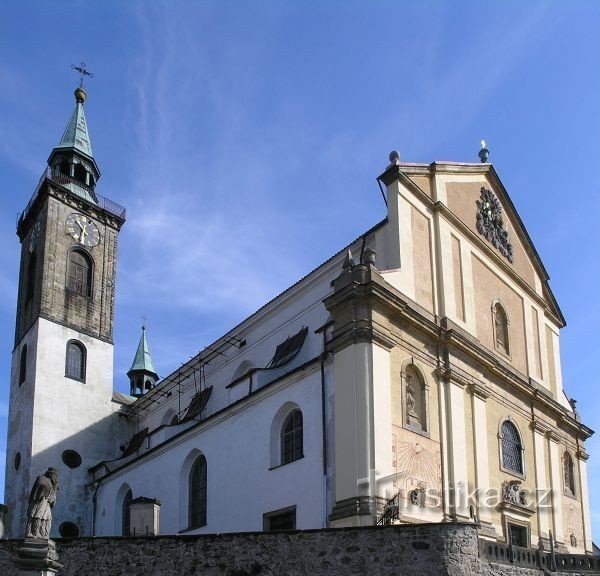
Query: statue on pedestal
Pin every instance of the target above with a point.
(41, 501)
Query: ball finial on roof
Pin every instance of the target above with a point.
(80, 95)
(394, 157)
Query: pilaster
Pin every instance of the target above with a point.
(539, 430)
(556, 484)
(479, 396)
(582, 457)
(458, 472)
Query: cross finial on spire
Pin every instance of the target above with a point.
(82, 71)
(144, 322)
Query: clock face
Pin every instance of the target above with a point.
(35, 232)
(82, 229)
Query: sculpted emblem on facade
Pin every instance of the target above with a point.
(491, 225)
(512, 493)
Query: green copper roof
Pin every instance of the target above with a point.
(76, 134)
(143, 358)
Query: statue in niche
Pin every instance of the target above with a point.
(412, 416)
(573, 539)
(512, 493)
(41, 502)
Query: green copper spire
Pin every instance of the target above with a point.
(143, 359)
(76, 134)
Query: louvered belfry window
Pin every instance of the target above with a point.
(512, 449)
(80, 273)
(197, 494)
(292, 438)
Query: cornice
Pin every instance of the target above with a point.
(479, 391)
(364, 288)
(539, 426)
(553, 436)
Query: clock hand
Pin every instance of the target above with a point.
(83, 233)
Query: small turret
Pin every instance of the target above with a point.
(142, 375)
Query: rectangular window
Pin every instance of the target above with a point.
(517, 535)
(284, 519)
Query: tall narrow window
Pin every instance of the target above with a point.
(126, 513)
(292, 438)
(197, 494)
(23, 365)
(501, 328)
(80, 273)
(30, 279)
(569, 474)
(75, 363)
(512, 448)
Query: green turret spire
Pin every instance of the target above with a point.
(142, 374)
(76, 134)
(72, 162)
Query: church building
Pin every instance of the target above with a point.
(412, 377)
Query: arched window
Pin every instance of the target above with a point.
(569, 474)
(197, 494)
(126, 513)
(80, 173)
(79, 277)
(23, 365)
(512, 448)
(75, 363)
(501, 338)
(292, 437)
(65, 168)
(121, 514)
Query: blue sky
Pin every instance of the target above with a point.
(244, 139)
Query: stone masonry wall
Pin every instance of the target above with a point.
(423, 550)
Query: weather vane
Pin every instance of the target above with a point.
(82, 71)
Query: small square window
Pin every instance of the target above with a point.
(284, 519)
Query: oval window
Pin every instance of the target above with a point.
(17, 460)
(71, 458)
(68, 530)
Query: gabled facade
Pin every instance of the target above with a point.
(413, 377)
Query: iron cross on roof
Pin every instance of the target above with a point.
(82, 71)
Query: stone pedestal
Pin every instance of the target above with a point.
(37, 557)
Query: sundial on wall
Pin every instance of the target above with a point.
(491, 225)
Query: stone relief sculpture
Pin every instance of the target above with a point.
(41, 501)
(491, 225)
(512, 493)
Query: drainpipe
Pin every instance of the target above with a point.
(324, 428)
(94, 505)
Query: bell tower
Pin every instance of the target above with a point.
(62, 363)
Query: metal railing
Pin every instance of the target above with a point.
(538, 559)
(65, 180)
(391, 511)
